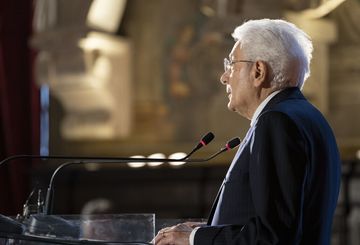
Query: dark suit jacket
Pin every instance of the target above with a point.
(284, 186)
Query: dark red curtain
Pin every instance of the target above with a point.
(19, 103)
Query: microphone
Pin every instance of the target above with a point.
(13, 226)
(231, 144)
(204, 141)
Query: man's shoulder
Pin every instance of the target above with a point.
(299, 112)
(290, 101)
(296, 109)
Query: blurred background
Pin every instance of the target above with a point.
(141, 77)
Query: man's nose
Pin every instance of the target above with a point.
(224, 78)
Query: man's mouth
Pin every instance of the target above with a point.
(228, 91)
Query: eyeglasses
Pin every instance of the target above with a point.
(228, 63)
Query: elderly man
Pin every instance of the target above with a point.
(283, 184)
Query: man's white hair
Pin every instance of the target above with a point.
(282, 45)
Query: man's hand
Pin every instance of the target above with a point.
(175, 235)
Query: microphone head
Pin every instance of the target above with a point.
(232, 143)
(207, 139)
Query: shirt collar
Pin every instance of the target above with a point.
(262, 106)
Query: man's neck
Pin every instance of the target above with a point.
(262, 105)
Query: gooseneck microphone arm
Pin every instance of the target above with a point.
(204, 141)
(231, 144)
(49, 195)
(11, 158)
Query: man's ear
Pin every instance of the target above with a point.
(261, 72)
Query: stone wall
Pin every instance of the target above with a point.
(344, 78)
(178, 51)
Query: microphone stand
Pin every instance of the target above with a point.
(203, 142)
(49, 195)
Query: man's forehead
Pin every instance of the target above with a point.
(235, 50)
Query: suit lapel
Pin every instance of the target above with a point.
(214, 205)
(243, 144)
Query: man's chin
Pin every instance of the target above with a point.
(233, 109)
(230, 107)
